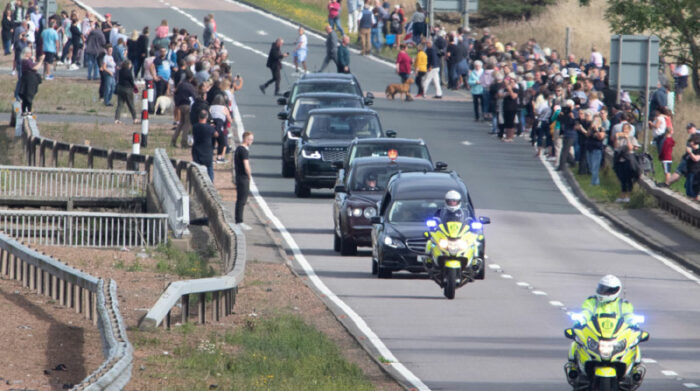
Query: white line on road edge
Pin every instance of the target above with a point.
(691, 385)
(584, 211)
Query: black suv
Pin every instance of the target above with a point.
(325, 140)
(357, 196)
(409, 201)
(293, 120)
(386, 146)
(329, 84)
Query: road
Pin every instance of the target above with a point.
(545, 255)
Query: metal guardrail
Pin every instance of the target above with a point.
(85, 229)
(171, 193)
(84, 293)
(70, 183)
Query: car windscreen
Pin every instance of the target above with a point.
(340, 86)
(413, 211)
(380, 149)
(303, 105)
(343, 126)
(361, 177)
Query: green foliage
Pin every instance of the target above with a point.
(184, 264)
(675, 22)
(494, 10)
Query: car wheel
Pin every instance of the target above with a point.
(300, 190)
(287, 167)
(383, 272)
(348, 246)
(375, 267)
(336, 241)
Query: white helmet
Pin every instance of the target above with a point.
(453, 200)
(609, 288)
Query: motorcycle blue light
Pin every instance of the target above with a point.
(636, 319)
(577, 317)
(431, 223)
(476, 225)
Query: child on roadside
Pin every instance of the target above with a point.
(666, 153)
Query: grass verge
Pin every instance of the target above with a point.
(277, 353)
(609, 190)
(184, 263)
(59, 96)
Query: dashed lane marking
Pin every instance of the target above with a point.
(507, 276)
(262, 32)
(523, 284)
(556, 303)
(494, 267)
(669, 373)
(539, 293)
(691, 385)
(467, 143)
(649, 361)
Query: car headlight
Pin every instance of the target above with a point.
(369, 213)
(291, 136)
(354, 212)
(310, 154)
(393, 242)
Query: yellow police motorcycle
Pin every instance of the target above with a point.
(607, 355)
(455, 253)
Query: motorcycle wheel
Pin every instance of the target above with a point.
(604, 384)
(451, 283)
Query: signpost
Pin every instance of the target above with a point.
(634, 66)
(50, 8)
(465, 7)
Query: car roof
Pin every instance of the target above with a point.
(327, 75)
(326, 80)
(425, 185)
(384, 160)
(343, 110)
(385, 140)
(333, 95)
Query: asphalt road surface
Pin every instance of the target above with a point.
(545, 256)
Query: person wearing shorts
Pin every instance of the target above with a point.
(49, 39)
(301, 50)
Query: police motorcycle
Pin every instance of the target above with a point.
(606, 355)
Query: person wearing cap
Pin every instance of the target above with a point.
(370, 183)
(682, 168)
(107, 26)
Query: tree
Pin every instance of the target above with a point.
(675, 22)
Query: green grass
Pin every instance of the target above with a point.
(281, 353)
(61, 96)
(609, 190)
(183, 263)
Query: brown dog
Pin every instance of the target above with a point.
(401, 89)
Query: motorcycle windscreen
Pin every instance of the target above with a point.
(608, 324)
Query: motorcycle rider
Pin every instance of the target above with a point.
(452, 211)
(605, 301)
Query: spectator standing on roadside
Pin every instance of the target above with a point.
(365, 22)
(692, 179)
(29, 83)
(242, 176)
(274, 62)
(94, 46)
(567, 123)
(107, 26)
(108, 69)
(8, 28)
(185, 94)
(163, 72)
(125, 92)
(208, 34)
(301, 50)
(596, 58)
(419, 26)
(49, 38)
(331, 49)
(141, 53)
(396, 26)
(334, 15)
(433, 75)
(421, 68)
(595, 134)
(666, 154)
(77, 43)
(680, 80)
(19, 46)
(403, 63)
(202, 148)
(354, 8)
(376, 27)
(658, 98)
(476, 88)
(162, 32)
(344, 56)
(682, 168)
(624, 161)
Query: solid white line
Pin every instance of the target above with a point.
(568, 194)
(669, 373)
(556, 303)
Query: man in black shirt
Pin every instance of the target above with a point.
(242, 177)
(202, 149)
(274, 62)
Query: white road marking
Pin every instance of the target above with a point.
(507, 276)
(649, 361)
(494, 266)
(584, 211)
(669, 373)
(556, 303)
(467, 143)
(539, 293)
(261, 32)
(691, 385)
(248, 116)
(523, 284)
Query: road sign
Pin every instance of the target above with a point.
(629, 56)
(451, 5)
(50, 8)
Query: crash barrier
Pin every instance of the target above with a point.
(231, 244)
(229, 239)
(674, 203)
(44, 183)
(85, 229)
(171, 193)
(82, 292)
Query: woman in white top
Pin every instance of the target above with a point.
(221, 116)
(658, 126)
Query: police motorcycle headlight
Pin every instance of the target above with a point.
(369, 212)
(309, 154)
(393, 242)
(354, 212)
(455, 246)
(443, 243)
(606, 348)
